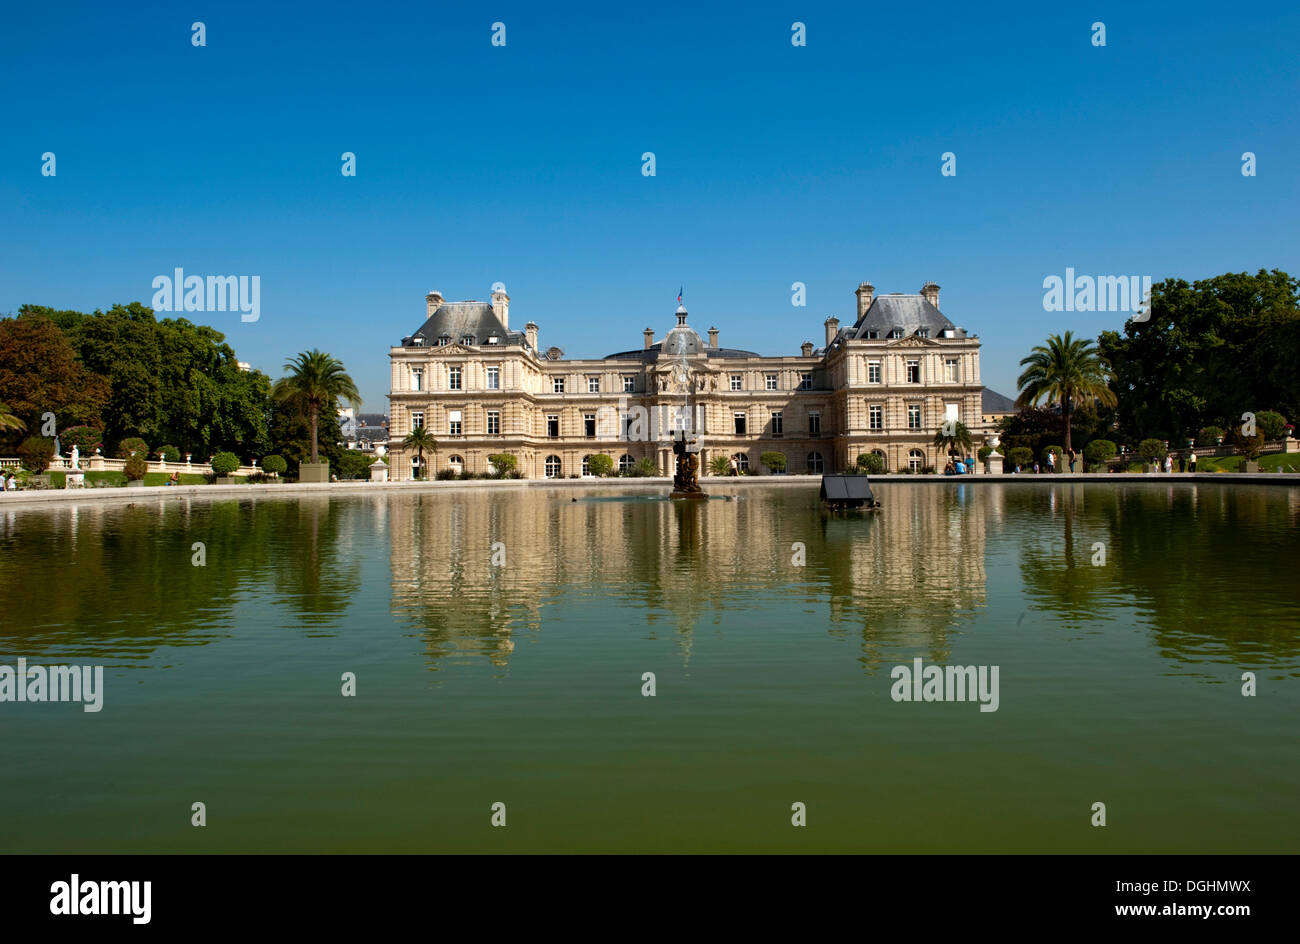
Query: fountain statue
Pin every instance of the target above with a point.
(686, 441)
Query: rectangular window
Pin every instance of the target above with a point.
(629, 384)
(739, 419)
(873, 335)
(417, 378)
(453, 378)
(771, 381)
(914, 372)
(914, 416)
(873, 372)
(805, 381)
(877, 416)
(778, 424)
(453, 422)
(593, 385)
(950, 370)
(589, 425)
(922, 332)
(417, 419)
(952, 412)
(814, 423)
(494, 423)
(553, 426)
(494, 378)
(735, 381)
(557, 385)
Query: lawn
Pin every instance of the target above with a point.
(59, 479)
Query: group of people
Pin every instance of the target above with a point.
(960, 467)
(8, 483)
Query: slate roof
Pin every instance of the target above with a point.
(909, 312)
(458, 319)
(993, 402)
(653, 353)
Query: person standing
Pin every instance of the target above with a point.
(1191, 461)
(1182, 463)
(1169, 463)
(1051, 461)
(1072, 458)
(733, 465)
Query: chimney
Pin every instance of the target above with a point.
(530, 332)
(501, 305)
(866, 291)
(649, 338)
(807, 348)
(713, 338)
(432, 302)
(832, 329)
(930, 292)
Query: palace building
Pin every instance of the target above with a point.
(884, 384)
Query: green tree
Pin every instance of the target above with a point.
(1152, 450)
(275, 464)
(40, 372)
(1210, 351)
(132, 446)
(420, 440)
(1270, 423)
(317, 381)
(775, 461)
(225, 463)
(35, 453)
(870, 463)
(135, 468)
(1248, 447)
(503, 463)
(1065, 371)
(600, 465)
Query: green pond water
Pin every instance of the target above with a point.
(522, 684)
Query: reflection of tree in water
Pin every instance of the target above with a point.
(117, 580)
(1211, 567)
(909, 573)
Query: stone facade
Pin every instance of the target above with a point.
(884, 385)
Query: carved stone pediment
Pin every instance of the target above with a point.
(912, 341)
(447, 350)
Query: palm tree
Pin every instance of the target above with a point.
(9, 421)
(1067, 370)
(420, 440)
(316, 380)
(954, 437)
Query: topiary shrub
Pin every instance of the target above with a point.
(276, 465)
(225, 463)
(135, 468)
(774, 462)
(1152, 450)
(503, 463)
(1270, 424)
(600, 465)
(132, 445)
(169, 454)
(1099, 450)
(1021, 456)
(35, 453)
(984, 452)
(871, 463)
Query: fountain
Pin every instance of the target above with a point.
(686, 441)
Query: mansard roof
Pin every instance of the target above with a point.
(908, 312)
(455, 320)
(993, 402)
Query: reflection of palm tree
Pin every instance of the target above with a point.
(316, 380)
(420, 440)
(9, 421)
(1067, 370)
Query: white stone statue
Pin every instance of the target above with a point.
(76, 457)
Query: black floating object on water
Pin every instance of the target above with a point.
(573, 499)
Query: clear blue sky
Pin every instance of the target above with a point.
(522, 164)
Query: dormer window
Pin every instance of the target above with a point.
(493, 340)
(873, 335)
(922, 332)
(444, 340)
(896, 333)
(467, 340)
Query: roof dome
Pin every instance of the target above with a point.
(682, 340)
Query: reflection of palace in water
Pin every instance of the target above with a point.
(901, 577)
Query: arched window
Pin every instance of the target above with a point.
(915, 460)
(586, 470)
(742, 462)
(457, 463)
(815, 464)
(552, 467)
(884, 460)
(626, 463)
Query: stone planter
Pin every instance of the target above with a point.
(135, 483)
(225, 480)
(1250, 465)
(314, 472)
